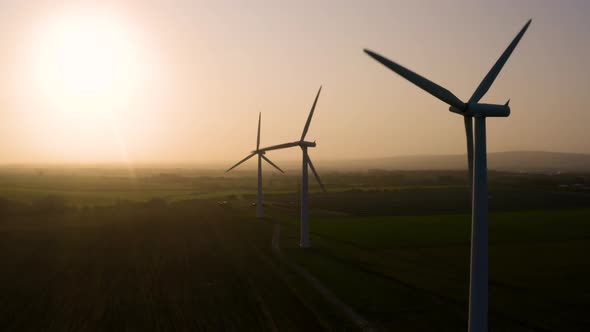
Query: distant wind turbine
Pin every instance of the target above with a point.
(478, 292)
(304, 241)
(261, 156)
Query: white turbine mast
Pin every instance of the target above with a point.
(261, 156)
(478, 290)
(304, 241)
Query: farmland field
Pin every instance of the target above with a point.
(407, 269)
(164, 251)
(180, 267)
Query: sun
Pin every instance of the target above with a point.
(88, 76)
(88, 59)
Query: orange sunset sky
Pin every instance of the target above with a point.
(183, 81)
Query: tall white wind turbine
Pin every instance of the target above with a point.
(304, 241)
(261, 156)
(478, 290)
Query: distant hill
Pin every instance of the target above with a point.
(529, 161)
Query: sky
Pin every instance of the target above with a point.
(184, 81)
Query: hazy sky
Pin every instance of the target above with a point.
(183, 81)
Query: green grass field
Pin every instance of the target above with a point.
(402, 270)
(159, 252)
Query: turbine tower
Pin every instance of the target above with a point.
(478, 289)
(304, 241)
(261, 156)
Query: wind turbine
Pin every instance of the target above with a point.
(304, 241)
(261, 156)
(478, 290)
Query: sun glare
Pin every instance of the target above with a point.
(87, 59)
(87, 75)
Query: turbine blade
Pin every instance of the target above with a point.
(422, 82)
(258, 137)
(241, 161)
(469, 135)
(317, 177)
(271, 163)
(487, 81)
(310, 115)
(280, 146)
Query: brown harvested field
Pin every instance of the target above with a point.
(182, 267)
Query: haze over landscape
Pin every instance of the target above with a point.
(183, 81)
(293, 166)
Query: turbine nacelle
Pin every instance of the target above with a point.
(307, 144)
(482, 110)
